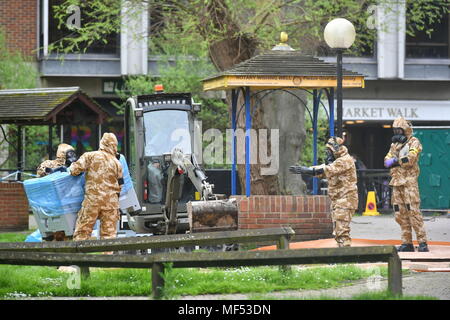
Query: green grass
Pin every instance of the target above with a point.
(32, 281)
(14, 236)
(259, 280)
(36, 281)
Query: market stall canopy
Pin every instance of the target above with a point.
(282, 69)
(42, 105)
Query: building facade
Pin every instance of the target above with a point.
(406, 76)
(30, 27)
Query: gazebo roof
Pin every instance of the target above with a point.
(42, 104)
(280, 69)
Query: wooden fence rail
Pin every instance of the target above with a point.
(217, 259)
(279, 235)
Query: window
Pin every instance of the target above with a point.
(166, 130)
(51, 33)
(435, 45)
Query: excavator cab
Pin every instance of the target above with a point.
(160, 151)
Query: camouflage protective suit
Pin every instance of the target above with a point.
(342, 190)
(405, 188)
(102, 189)
(58, 162)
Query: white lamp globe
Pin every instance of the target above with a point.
(339, 33)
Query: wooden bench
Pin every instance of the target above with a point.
(218, 259)
(280, 236)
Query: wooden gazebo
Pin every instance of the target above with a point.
(46, 106)
(280, 68)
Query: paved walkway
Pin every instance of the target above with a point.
(427, 284)
(430, 284)
(384, 227)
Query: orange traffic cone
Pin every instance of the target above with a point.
(371, 205)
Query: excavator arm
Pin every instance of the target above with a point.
(181, 164)
(172, 197)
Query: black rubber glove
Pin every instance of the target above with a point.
(58, 169)
(301, 170)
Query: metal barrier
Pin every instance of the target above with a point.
(368, 180)
(16, 173)
(374, 180)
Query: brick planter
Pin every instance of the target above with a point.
(13, 207)
(309, 216)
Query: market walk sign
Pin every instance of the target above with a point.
(415, 110)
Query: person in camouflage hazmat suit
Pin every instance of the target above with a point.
(104, 179)
(65, 155)
(340, 171)
(402, 160)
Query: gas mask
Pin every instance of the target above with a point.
(329, 157)
(399, 136)
(71, 156)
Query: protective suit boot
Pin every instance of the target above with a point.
(423, 247)
(406, 247)
(347, 243)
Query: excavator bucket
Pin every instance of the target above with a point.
(213, 215)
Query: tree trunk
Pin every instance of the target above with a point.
(283, 112)
(278, 110)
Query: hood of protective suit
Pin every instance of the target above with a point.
(109, 143)
(342, 150)
(62, 151)
(404, 124)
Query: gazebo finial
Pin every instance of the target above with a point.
(283, 46)
(283, 37)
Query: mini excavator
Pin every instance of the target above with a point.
(171, 186)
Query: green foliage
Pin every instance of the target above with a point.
(35, 146)
(99, 19)
(16, 70)
(422, 14)
(185, 26)
(181, 29)
(323, 133)
(184, 76)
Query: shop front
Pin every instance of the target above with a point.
(368, 131)
(368, 124)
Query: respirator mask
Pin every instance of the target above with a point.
(329, 157)
(71, 156)
(399, 136)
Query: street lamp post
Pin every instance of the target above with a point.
(339, 34)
